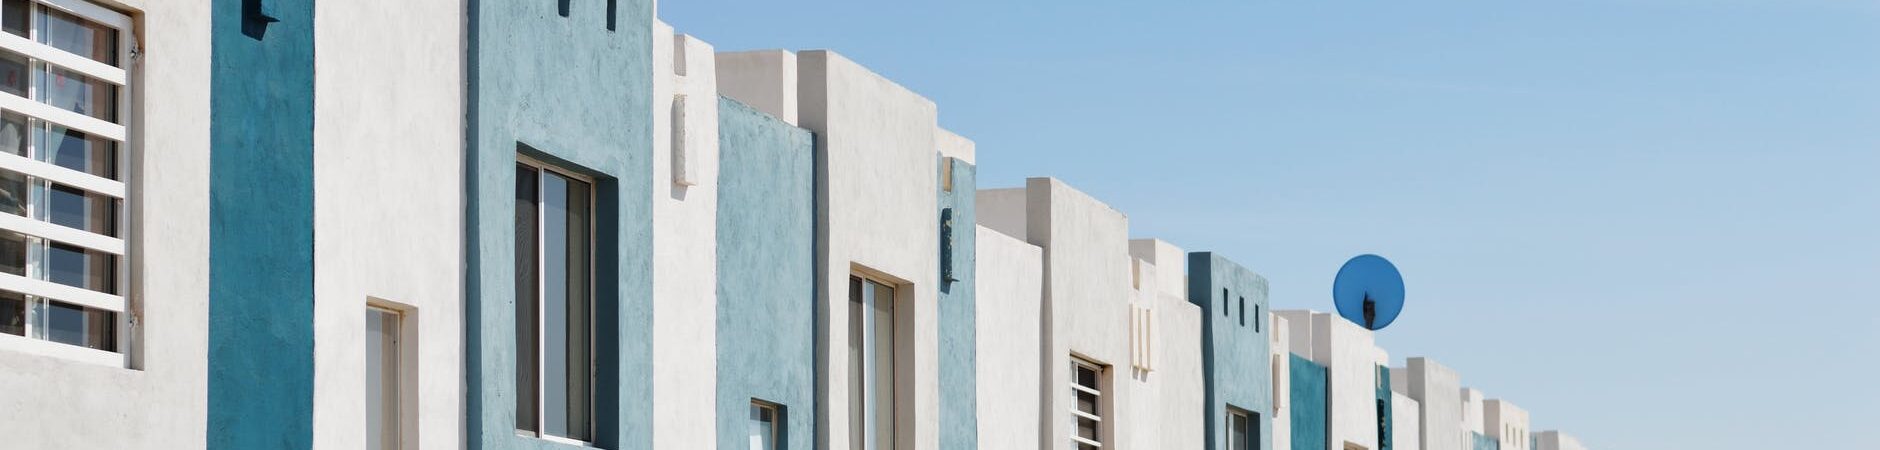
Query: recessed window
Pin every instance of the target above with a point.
(871, 364)
(1243, 433)
(1224, 305)
(1257, 318)
(62, 187)
(1243, 311)
(554, 303)
(383, 409)
(1087, 389)
(766, 425)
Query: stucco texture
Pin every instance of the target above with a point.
(958, 334)
(766, 285)
(159, 400)
(579, 94)
(261, 229)
(1234, 345)
(1309, 398)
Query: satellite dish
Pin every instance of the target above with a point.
(1368, 291)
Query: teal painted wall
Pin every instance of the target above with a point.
(959, 419)
(1310, 423)
(260, 384)
(1383, 408)
(766, 274)
(1484, 442)
(578, 90)
(1235, 354)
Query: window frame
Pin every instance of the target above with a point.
(39, 116)
(541, 369)
(898, 320)
(776, 423)
(402, 371)
(1248, 436)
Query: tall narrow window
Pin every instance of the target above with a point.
(554, 303)
(1257, 317)
(1240, 433)
(383, 410)
(871, 364)
(1243, 311)
(766, 425)
(1224, 305)
(64, 89)
(1087, 388)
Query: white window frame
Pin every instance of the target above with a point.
(1081, 363)
(123, 77)
(541, 369)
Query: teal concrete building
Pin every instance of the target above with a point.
(1235, 351)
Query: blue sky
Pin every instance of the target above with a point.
(1653, 223)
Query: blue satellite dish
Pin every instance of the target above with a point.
(1368, 291)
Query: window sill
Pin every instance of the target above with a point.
(22, 344)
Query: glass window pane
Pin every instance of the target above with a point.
(382, 394)
(882, 381)
(72, 33)
(13, 192)
(12, 313)
(75, 325)
(762, 430)
(76, 92)
(73, 149)
(858, 422)
(80, 267)
(14, 17)
(13, 132)
(1087, 428)
(1087, 402)
(13, 76)
(77, 208)
(526, 302)
(565, 307)
(13, 253)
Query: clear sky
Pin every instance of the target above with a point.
(1652, 223)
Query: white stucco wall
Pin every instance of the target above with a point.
(763, 79)
(1472, 412)
(875, 148)
(1351, 357)
(1086, 246)
(388, 218)
(1406, 422)
(1556, 440)
(54, 403)
(1008, 299)
(1177, 382)
(685, 241)
(954, 146)
(1003, 210)
(1438, 392)
(1507, 423)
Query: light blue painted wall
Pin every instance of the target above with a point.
(1235, 353)
(260, 384)
(959, 420)
(766, 274)
(581, 94)
(1309, 396)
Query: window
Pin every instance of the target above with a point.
(766, 425)
(1224, 311)
(871, 364)
(1243, 311)
(383, 410)
(63, 88)
(1086, 387)
(1256, 318)
(1242, 433)
(554, 303)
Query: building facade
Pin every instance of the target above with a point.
(433, 224)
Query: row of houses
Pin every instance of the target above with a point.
(438, 224)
